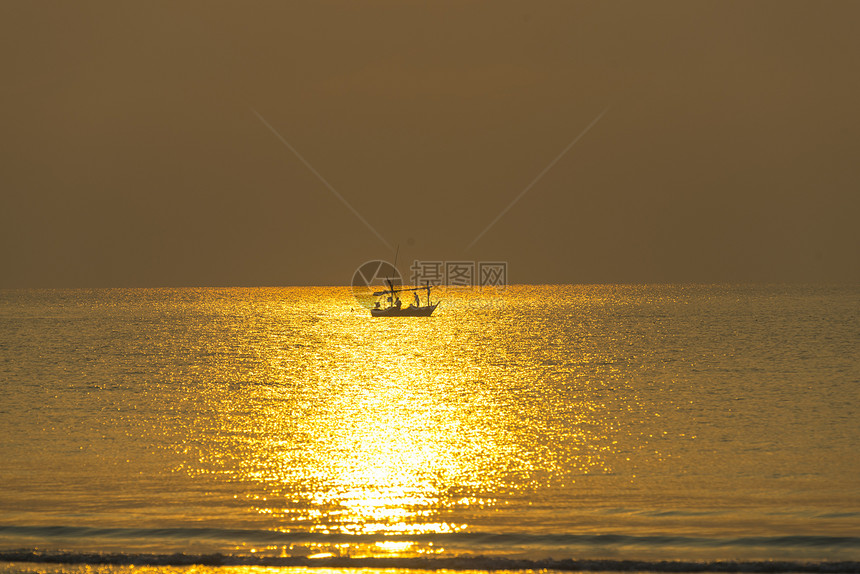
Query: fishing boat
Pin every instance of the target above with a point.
(396, 309)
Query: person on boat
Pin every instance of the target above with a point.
(397, 303)
(417, 300)
(377, 305)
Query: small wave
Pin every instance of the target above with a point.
(426, 563)
(477, 540)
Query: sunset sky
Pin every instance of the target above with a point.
(157, 143)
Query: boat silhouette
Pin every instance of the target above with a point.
(395, 307)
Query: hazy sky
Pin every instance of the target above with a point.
(134, 154)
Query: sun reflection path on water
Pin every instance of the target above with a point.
(396, 428)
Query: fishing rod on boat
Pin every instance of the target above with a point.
(380, 293)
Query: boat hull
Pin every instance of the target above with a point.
(425, 311)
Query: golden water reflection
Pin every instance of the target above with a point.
(353, 426)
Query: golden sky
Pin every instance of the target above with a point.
(134, 153)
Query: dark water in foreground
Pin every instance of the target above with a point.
(661, 423)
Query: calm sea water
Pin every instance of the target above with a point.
(681, 423)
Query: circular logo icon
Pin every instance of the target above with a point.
(371, 279)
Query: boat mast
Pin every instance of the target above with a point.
(393, 290)
(390, 284)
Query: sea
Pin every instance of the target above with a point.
(532, 427)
